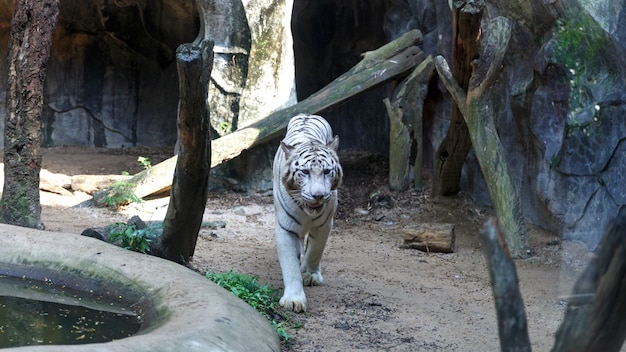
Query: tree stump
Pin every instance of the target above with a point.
(190, 186)
(406, 113)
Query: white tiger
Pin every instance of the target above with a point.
(306, 175)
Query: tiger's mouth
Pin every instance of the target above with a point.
(312, 207)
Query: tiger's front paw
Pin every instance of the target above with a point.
(312, 278)
(295, 303)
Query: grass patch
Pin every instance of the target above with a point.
(263, 298)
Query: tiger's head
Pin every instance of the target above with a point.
(312, 172)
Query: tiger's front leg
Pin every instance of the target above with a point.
(289, 248)
(310, 267)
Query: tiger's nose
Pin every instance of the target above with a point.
(318, 196)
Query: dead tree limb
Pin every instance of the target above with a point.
(594, 320)
(406, 113)
(453, 150)
(477, 108)
(399, 149)
(512, 328)
(378, 66)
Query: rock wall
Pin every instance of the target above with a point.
(562, 125)
(112, 82)
(109, 79)
(112, 79)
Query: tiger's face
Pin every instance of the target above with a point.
(312, 174)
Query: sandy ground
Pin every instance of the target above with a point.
(377, 295)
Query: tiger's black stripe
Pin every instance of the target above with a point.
(293, 217)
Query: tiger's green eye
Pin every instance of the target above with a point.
(326, 171)
(305, 171)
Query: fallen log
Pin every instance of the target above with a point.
(429, 237)
(376, 67)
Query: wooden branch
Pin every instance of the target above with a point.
(453, 87)
(594, 320)
(512, 328)
(492, 49)
(378, 66)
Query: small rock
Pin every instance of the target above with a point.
(361, 211)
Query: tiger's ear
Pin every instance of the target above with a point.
(334, 143)
(287, 149)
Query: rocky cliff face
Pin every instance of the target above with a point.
(112, 82)
(111, 79)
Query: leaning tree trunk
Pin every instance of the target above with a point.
(477, 109)
(30, 40)
(190, 186)
(452, 152)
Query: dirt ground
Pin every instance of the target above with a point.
(376, 295)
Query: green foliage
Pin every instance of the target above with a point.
(132, 238)
(120, 194)
(263, 298)
(145, 162)
(578, 44)
(579, 40)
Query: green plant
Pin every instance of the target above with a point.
(132, 238)
(145, 162)
(262, 298)
(578, 40)
(224, 128)
(120, 194)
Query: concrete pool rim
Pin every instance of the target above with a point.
(184, 310)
